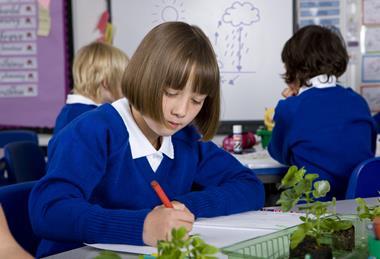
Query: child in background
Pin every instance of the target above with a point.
(321, 125)
(376, 117)
(97, 188)
(97, 72)
(9, 248)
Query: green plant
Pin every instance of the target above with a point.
(107, 255)
(182, 246)
(301, 187)
(367, 212)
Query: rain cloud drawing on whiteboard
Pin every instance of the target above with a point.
(230, 38)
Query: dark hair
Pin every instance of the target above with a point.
(168, 56)
(314, 50)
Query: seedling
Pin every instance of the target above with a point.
(182, 246)
(318, 221)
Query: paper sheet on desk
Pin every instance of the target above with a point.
(253, 220)
(226, 230)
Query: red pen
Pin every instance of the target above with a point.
(161, 194)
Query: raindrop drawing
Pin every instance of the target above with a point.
(230, 38)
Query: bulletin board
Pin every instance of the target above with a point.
(247, 36)
(33, 61)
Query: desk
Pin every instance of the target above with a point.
(343, 206)
(43, 139)
(265, 167)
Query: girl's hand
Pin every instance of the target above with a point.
(291, 90)
(160, 221)
(287, 92)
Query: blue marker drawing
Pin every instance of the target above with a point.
(233, 23)
(168, 10)
(231, 38)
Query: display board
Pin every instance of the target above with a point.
(33, 62)
(247, 36)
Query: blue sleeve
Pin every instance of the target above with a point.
(228, 186)
(376, 117)
(279, 145)
(59, 205)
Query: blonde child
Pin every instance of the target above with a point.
(97, 72)
(97, 188)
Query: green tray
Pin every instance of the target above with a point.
(276, 245)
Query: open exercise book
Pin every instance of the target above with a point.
(226, 230)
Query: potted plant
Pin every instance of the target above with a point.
(314, 235)
(372, 213)
(182, 246)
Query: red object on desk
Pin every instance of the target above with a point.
(248, 141)
(376, 227)
(161, 194)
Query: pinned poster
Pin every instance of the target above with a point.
(102, 24)
(108, 35)
(44, 19)
(44, 3)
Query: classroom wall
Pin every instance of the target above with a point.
(86, 14)
(350, 24)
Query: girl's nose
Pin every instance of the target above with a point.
(180, 108)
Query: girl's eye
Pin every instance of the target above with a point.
(170, 94)
(197, 102)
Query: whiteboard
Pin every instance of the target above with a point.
(247, 37)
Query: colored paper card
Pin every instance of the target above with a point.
(102, 24)
(108, 35)
(44, 21)
(44, 3)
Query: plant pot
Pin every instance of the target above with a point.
(344, 239)
(376, 227)
(373, 247)
(310, 246)
(265, 137)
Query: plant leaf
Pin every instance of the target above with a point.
(288, 199)
(292, 177)
(107, 255)
(298, 235)
(321, 188)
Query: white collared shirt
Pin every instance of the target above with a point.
(77, 98)
(319, 81)
(140, 145)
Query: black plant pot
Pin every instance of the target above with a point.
(310, 246)
(344, 239)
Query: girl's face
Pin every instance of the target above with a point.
(180, 107)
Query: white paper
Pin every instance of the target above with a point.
(225, 230)
(371, 10)
(371, 68)
(253, 220)
(372, 39)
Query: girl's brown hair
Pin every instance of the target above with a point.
(167, 57)
(314, 50)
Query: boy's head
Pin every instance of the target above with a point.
(313, 50)
(169, 56)
(97, 71)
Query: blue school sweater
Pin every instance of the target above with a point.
(94, 192)
(376, 117)
(69, 112)
(326, 130)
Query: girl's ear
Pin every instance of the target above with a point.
(105, 84)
